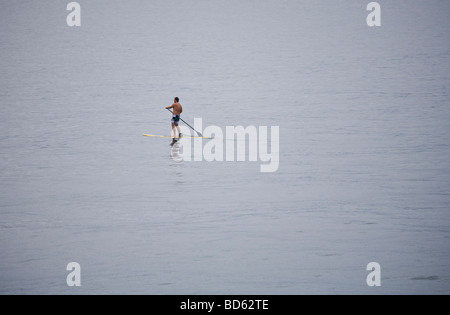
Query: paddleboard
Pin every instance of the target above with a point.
(158, 136)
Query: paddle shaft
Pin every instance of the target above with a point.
(198, 133)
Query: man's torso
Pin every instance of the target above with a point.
(177, 109)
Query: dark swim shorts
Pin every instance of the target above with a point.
(176, 119)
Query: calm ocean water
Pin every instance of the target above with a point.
(364, 170)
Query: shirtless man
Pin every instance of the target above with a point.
(177, 110)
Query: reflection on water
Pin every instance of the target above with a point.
(175, 152)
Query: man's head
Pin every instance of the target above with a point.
(176, 99)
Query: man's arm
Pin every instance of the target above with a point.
(171, 106)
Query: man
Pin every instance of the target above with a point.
(177, 110)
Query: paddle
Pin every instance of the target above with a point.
(198, 133)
